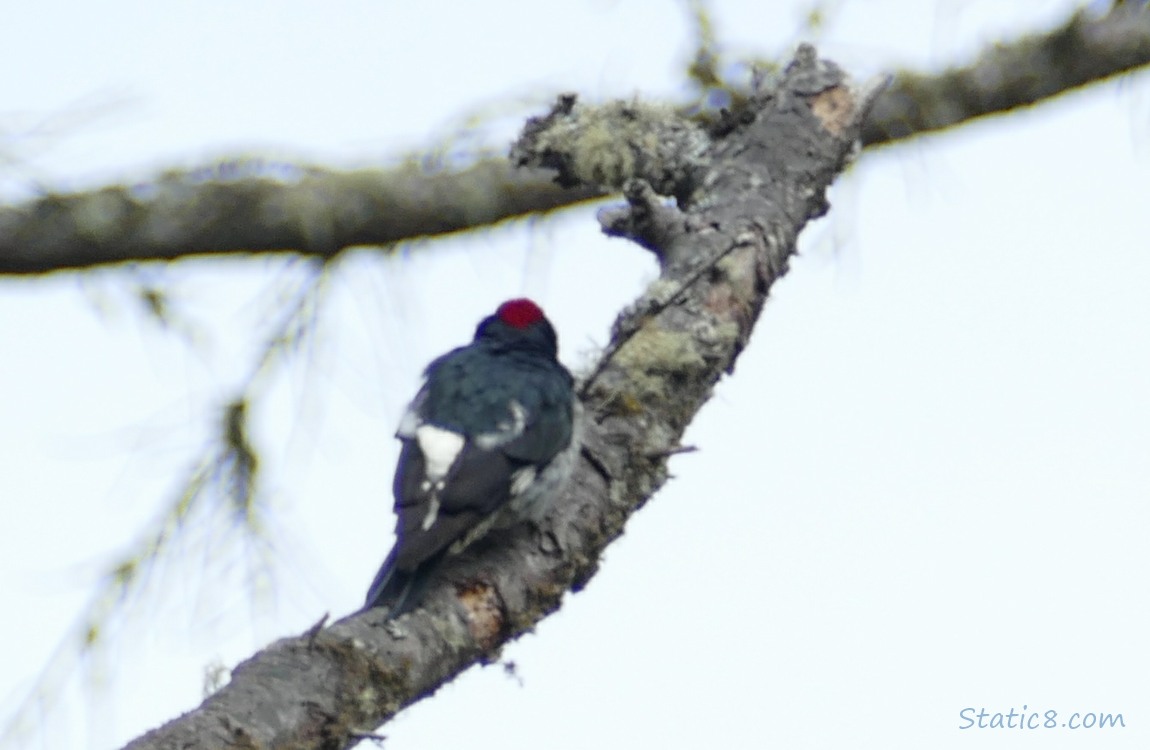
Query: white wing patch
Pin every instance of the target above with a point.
(432, 513)
(507, 430)
(440, 448)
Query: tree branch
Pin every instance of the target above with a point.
(226, 209)
(746, 198)
(1084, 50)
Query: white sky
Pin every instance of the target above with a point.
(924, 489)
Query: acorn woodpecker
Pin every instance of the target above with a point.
(487, 441)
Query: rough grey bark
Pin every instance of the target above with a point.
(228, 209)
(744, 197)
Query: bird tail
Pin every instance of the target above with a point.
(397, 590)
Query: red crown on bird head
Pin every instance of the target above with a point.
(519, 313)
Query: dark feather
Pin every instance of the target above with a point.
(396, 589)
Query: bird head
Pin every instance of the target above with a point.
(518, 324)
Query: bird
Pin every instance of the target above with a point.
(487, 442)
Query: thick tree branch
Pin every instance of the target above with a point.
(1007, 76)
(745, 199)
(225, 209)
(319, 212)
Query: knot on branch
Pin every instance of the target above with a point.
(646, 219)
(607, 145)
